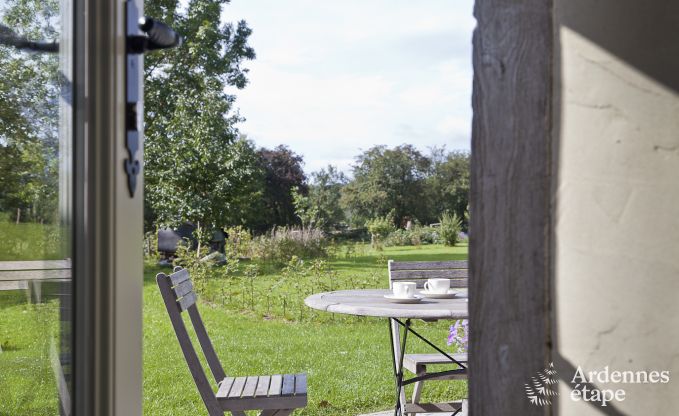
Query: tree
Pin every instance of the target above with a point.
(387, 180)
(305, 210)
(29, 114)
(321, 207)
(283, 172)
(210, 191)
(449, 183)
(197, 169)
(325, 194)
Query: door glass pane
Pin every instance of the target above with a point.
(35, 206)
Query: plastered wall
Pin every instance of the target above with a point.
(615, 291)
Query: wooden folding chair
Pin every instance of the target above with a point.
(277, 395)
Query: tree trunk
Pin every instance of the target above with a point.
(198, 235)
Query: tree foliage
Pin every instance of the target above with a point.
(408, 184)
(321, 207)
(29, 113)
(283, 172)
(197, 169)
(449, 183)
(387, 180)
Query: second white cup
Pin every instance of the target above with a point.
(437, 285)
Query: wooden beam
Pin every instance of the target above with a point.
(510, 230)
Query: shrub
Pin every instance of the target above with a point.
(200, 265)
(416, 236)
(151, 246)
(239, 242)
(398, 238)
(379, 229)
(282, 243)
(450, 229)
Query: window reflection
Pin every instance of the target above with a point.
(35, 207)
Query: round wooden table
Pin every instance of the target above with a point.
(371, 302)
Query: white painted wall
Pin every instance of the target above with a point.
(616, 287)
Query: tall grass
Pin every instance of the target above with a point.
(281, 244)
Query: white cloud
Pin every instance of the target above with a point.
(332, 78)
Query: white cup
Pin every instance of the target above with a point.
(437, 285)
(404, 289)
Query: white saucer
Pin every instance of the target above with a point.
(398, 299)
(451, 293)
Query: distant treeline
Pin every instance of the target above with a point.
(264, 188)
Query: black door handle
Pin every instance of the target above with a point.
(156, 35)
(143, 34)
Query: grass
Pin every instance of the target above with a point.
(31, 241)
(347, 359)
(27, 383)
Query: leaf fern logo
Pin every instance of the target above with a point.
(541, 387)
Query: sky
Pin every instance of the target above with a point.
(333, 78)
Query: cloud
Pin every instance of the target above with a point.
(334, 78)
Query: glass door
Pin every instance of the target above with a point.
(36, 210)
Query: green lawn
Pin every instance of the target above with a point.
(258, 326)
(347, 359)
(27, 385)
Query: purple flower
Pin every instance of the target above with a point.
(452, 336)
(459, 335)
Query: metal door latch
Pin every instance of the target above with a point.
(143, 34)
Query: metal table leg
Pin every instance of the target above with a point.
(398, 368)
(397, 360)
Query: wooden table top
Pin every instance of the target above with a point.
(371, 302)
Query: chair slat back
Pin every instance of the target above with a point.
(178, 295)
(420, 271)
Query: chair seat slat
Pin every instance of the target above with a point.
(250, 385)
(262, 386)
(237, 388)
(288, 385)
(276, 385)
(412, 362)
(225, 387)
(300, 384)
